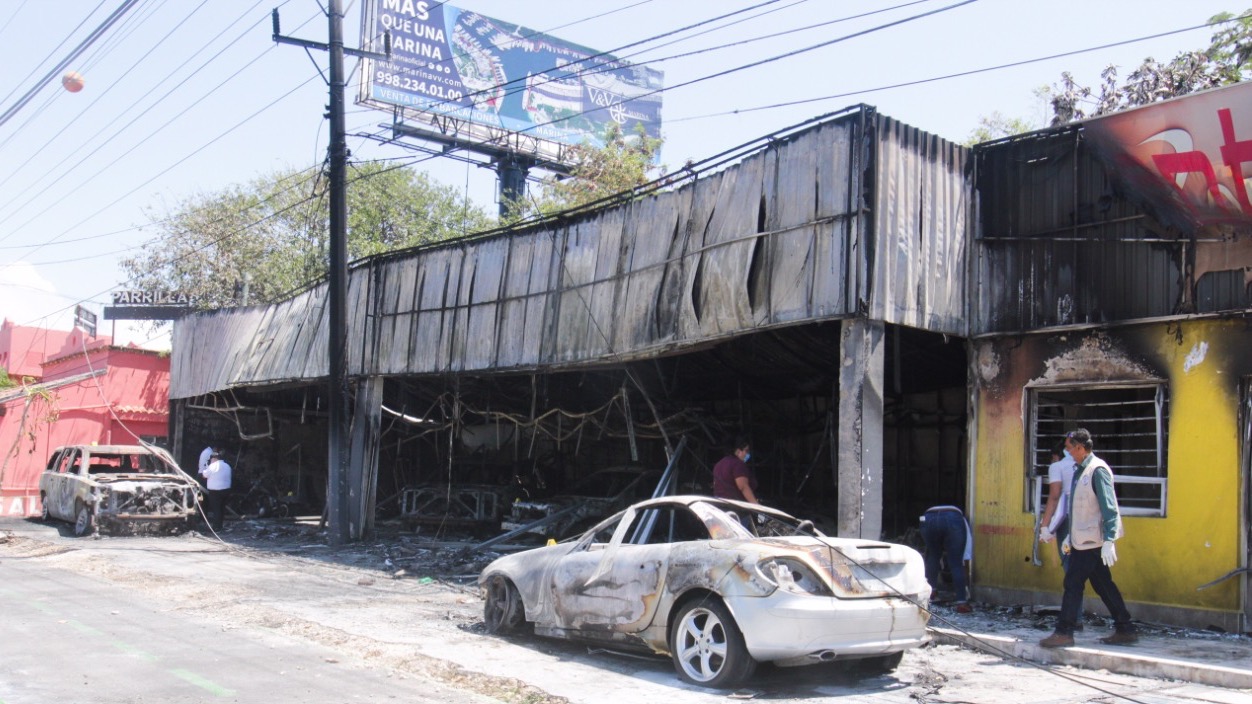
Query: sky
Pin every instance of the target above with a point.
(191, 97)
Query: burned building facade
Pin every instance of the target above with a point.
(1111, 291)
(895, 321)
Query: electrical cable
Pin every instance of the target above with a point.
(128, 124)
(962, 74)
(88, 60)
(600, 54)
(612, 65)
(8, 22)
(86, 109)
(159, 174)
(81, 159)
(56, 239)
(759, 62)
(82, 46)
(54, 51)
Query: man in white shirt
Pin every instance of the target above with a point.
(1052, 525)
(217, 481)
(205, 455)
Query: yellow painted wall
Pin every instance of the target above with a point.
(1161, 560)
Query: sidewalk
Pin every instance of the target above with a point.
(1202, 657)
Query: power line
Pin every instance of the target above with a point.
(55, 49)
(610, 53)
(960, 74)
(81, 160)
(82, 46)
(607, 66)
(87, 109)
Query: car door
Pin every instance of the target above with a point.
(48, 481)
(613, 586)
(62, 493)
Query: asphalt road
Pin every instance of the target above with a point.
(71, 638)
(272, 619)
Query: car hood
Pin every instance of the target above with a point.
(124, 480)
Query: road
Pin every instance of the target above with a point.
(187, 619)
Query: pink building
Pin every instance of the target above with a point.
(71, 389)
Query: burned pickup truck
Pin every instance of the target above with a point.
(120, 488)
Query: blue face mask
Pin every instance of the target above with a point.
(1068, 456)
(747, 456)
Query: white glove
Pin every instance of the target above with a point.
(1065, 546)
(1045, 535)
(1108, 553)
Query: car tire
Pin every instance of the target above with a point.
(45, 514)
(84, 521)
(880, 664)
(707, 646)
(503, 611)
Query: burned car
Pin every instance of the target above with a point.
(595, 496)
(719, 586)
(116, 487)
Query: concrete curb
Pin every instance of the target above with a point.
(1122, 660)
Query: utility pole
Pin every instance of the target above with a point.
(338, 491)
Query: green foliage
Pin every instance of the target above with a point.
(273, 233)
(624, 162)
(997, 125)
(5, 381)
(1227, 60)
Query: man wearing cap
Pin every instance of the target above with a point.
(217, 481)
(1094, 523)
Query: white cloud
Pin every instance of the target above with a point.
(27, 298)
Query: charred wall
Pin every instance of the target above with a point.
(1199, 367)
(1063, 241)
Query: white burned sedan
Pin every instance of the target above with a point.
(719, 586)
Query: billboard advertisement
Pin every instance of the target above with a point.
(460, 76)
(1186, 160)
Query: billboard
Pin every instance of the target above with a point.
(1186, 160)
(462, 77)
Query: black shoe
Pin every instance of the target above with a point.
(1121, 638)
(1057, 640)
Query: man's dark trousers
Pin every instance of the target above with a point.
(217, 507)
(1087, 565)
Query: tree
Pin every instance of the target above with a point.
(271, 234)
(1227, 60)
(37, 398)
(624, 162)
(997, 125)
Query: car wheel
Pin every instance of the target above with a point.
(503, 612)
(880, 664)
(84, 521)
(707, 646)
(45, 514)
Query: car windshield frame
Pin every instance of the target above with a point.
(723, 520)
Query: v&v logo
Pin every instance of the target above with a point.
(603, 98)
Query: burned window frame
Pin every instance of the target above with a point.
(1142, 434)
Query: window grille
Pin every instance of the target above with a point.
(1129, 426)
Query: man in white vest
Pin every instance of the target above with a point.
(1094, 523)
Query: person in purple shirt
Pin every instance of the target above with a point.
(732, 477)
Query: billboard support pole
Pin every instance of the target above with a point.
(340, 529)
(512, 170)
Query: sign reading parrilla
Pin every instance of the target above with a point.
(150, 298)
